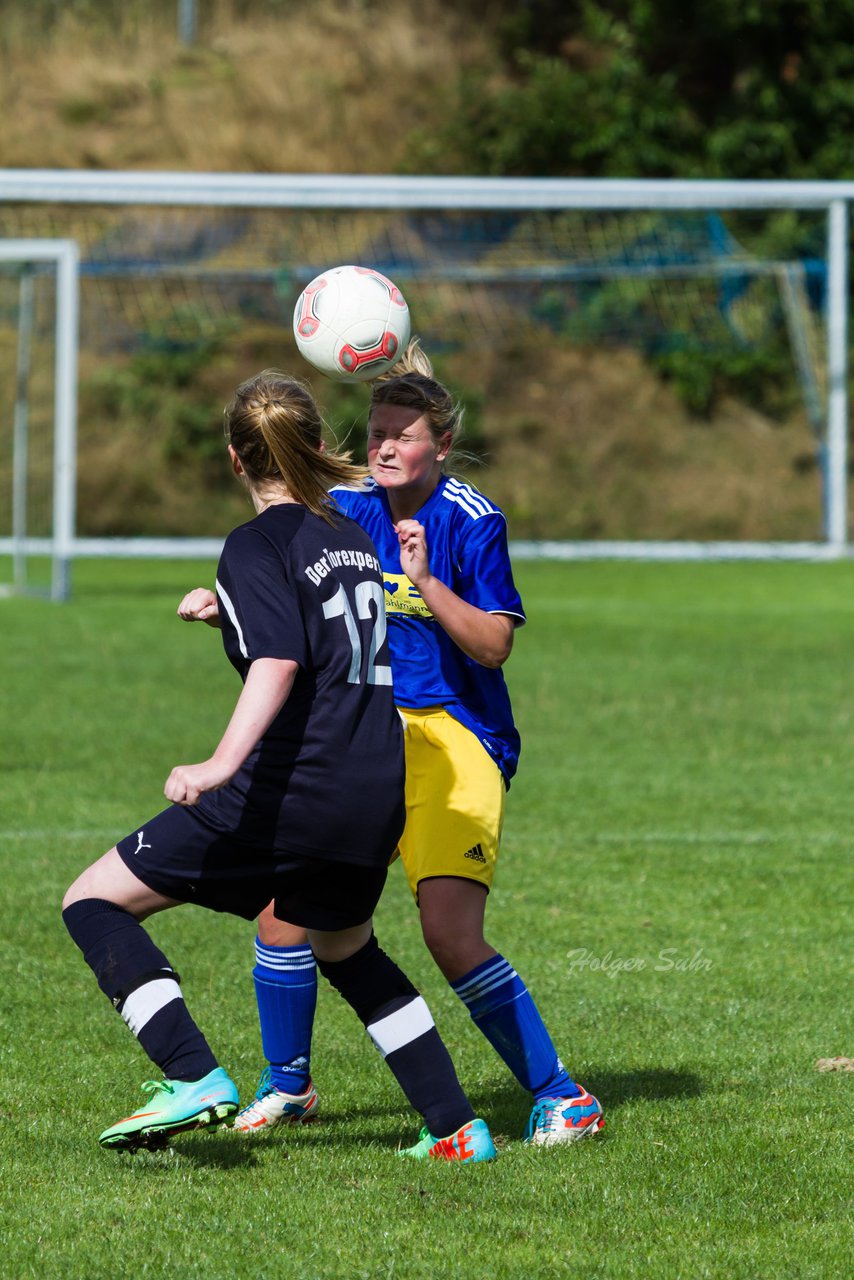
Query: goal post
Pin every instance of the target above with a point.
(143, 233)
(57, 543)
(837, 374)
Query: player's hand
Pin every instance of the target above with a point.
(187, 782)
(200, 605)
(414, 558)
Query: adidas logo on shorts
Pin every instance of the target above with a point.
(476, 854)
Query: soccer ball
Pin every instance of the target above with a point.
(351, 323)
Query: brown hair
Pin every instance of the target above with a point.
(275, 428)
(411, 385)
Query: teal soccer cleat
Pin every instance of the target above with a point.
(471, 1142)
(555, 1120)
(174, 1107)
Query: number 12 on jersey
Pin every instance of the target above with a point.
(339, 606)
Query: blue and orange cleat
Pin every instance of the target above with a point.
(556, 1120)
(471, 1142)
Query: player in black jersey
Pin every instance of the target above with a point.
(301, 802)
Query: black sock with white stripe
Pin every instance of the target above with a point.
(141, 984)
(401, 1026)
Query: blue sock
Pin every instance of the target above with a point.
(501, 1006)
(286, 991)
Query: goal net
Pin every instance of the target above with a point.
(645, 378)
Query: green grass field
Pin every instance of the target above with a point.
(675, 887)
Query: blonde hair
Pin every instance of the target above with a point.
(275, 428)
(410, 384)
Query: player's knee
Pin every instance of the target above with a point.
(94, 882)
(368, 979)
(74, 893)
(451, 951)
(85, 886)
(273, 932)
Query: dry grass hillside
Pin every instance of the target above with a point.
(577, 443)
(590, 444)
(327, 87)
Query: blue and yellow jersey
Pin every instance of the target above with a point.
(467, 546)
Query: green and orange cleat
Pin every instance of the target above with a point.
(174, 1106)
(470, 1143)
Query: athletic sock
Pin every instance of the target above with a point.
(502, 1007)
(141, 984)
(406, 1036)
(402, 1028)
(286, 992)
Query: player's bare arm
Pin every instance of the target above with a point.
(200, 605)
(485, 637)
(265, 692)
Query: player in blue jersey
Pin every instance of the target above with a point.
(452, 612)
(302, 801)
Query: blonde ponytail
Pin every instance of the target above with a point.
(275, 428)
(413, 360)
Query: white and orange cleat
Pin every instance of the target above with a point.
(271, 1107)
(555, 1120)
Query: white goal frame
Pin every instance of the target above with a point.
(302, 191)
(60, 546)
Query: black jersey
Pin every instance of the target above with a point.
(327, 777)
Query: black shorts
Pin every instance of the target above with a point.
(178, 855)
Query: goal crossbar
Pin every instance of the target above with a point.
(382, 191)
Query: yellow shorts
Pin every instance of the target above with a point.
(454, 801)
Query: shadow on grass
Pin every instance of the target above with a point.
(220, 1150)
(507, 1106)
(503, 1104)
(226, 1150)
(652, 1084)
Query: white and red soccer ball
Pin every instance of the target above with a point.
(351, 323)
